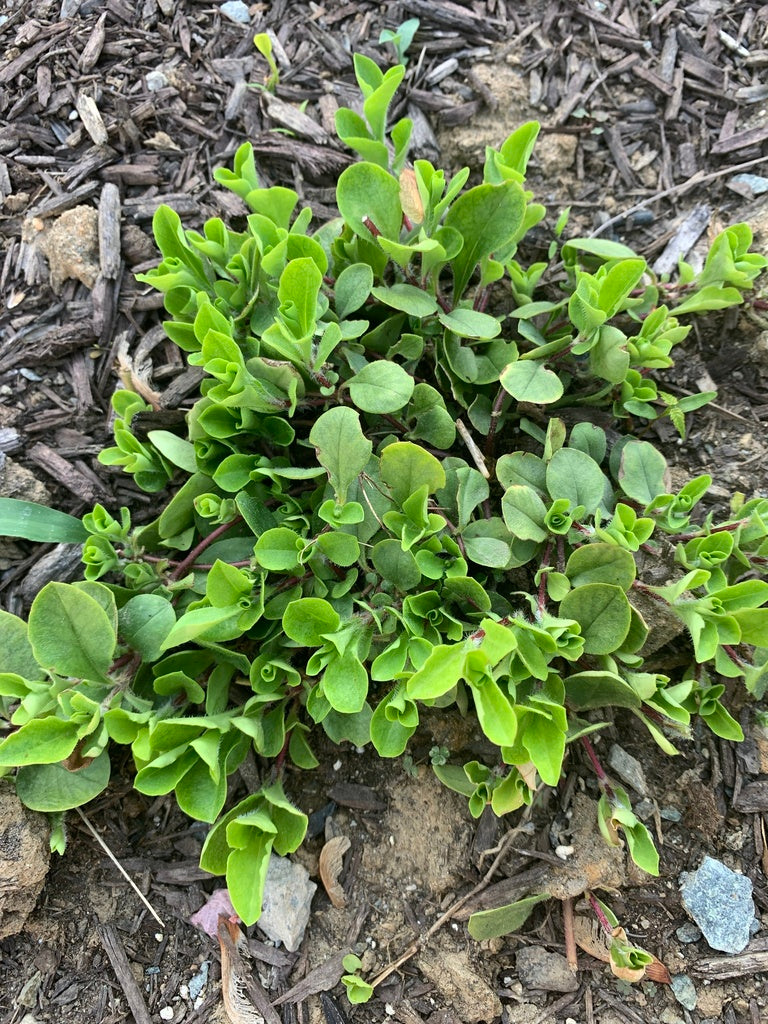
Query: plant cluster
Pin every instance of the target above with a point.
(391, 495)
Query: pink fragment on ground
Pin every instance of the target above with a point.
(207, 917)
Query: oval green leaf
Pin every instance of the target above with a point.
(530, 381)
(50, 787)
(70, 632)
(602, 610)
(381, 387)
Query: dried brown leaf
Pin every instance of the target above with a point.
(245, 1001)
(331, 864)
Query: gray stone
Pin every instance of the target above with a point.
(156, 80)
(670, 814)
(549, 972)
(644, 809)
(684, 991)
(628, 769)
(720, 902)
(288, 896)
(236, 11)
(688, 932)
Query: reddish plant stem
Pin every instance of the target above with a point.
(734, 656)
(121, 662)
(602, 778)
(206, 542)
(599, 913)
(725, 528)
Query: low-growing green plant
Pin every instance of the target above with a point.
(391, 497)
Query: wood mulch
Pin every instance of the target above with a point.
(109, 109)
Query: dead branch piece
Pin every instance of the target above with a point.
(474, 451)
(114, 949)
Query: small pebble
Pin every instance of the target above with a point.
(236, 11)
(688, 932)
(644, 809)
(156, 80)
(197, 984)
(166, 1013)
(684, 991)
(670, 814)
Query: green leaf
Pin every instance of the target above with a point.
(340, 548)
(16, 653)
(406, 467)
(439, 673)
(341, 448)
(298, 291)
(36, 522)
(712, 296)
(345, 682)
(144, 623)
(71, 633)
(601, 563)
(308, 619)
(367, 194)
(352, 288)
(51, 788)
(487, 217)
(381, 387)
(407, 298)
(587, 690)
(278, 549)
(469, 323)
(490, 924)
(179, 452)
(396, 565)
(529, 380)
(618, 282)
(641, 471)
(589, 438)
(522, 468)
(524, 513)
(602, 610)
(601, 247)
(41, 741)
(572, 474)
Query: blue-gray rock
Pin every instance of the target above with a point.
(688, 932)
(288, 895)
(720, 902)
(236, 11)
(670, 814)
(684, 992)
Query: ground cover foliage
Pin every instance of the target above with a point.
(390, 494)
